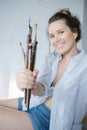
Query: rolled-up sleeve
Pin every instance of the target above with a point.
(44, 75)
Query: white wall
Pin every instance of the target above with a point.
(14, 17)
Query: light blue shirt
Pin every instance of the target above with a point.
(69, 102)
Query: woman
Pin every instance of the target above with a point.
(60, 85)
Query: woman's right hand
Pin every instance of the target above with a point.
(26, 79)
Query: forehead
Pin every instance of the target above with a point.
(57, 25)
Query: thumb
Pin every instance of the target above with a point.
(35, 72)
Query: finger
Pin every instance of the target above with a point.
(24, 75)
(23, 85)
(25, 71)
(30, 81)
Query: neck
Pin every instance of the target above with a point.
(70, 54)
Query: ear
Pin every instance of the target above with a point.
(75, 34)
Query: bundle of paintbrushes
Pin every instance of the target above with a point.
(29, 59)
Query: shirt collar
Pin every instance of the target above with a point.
(77, 58)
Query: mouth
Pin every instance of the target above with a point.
(59, 46)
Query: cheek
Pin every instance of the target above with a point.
(51, 41)
(69, 37)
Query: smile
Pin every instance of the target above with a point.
(60, 45)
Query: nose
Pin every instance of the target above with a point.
(56, 38)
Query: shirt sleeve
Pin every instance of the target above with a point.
(81, 106)
(45, 73)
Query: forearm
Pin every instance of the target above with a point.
(38, 89)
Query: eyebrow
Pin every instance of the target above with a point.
(56, 31)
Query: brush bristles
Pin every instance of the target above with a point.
(35, 27)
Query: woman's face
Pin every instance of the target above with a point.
(61, 37)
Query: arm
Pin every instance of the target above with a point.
(38, 82)
(38, 89)
(10, 103)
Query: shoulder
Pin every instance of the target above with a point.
(84, 58)
(81, 58)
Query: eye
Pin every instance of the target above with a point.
(61, 32)
(51, 36)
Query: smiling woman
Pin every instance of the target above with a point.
(62, 38)
(60, 84)
(64, 32)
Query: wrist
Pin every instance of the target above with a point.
(38, 89)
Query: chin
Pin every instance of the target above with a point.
(61, 52)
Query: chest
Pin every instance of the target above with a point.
(61, 68)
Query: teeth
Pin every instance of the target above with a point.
(60, 45)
